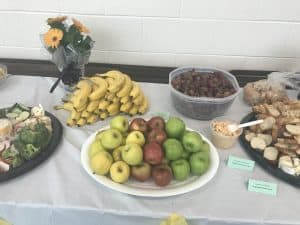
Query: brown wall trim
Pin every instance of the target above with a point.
(139, 73)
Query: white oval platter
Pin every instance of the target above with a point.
(148, 188)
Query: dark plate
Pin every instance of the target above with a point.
(42, 156)
(258, 157)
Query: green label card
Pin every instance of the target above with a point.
(239, 163)
(262, 187)
(164, 115)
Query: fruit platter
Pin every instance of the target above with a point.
(274, 144)
(27, 137)
(153, 158)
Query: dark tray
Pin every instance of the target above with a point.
(42, 156)
(258, 157)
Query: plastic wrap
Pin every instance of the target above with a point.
(271, 89)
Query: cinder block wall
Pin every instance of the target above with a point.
(229, 34)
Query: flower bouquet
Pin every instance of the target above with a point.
(70, 46)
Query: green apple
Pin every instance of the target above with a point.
(101, 162)
(119, 172)
(205, 147)
(132, 154)
(111, 139)
(185, 132)
(192, 141)
(181, 169)
(199, 162)
(175, 127)
(99, 134)
(185, 155)
(120, 123)
(135, 137)
(116, 154)
(95, 147)
(173, 149)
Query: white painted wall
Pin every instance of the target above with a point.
(229, 34)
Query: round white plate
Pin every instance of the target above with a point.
(148, 188)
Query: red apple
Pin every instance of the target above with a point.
(141, 172)
(156, 135)
(138, 124)
(156, 122)
(153, 153)
(162, 175)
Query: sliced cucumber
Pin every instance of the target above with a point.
(3, 113)
(16, 110)
(23, 116)
(12, 115)
(23, 107)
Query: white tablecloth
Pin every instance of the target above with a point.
(60, 190)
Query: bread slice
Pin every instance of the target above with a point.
(293, 129)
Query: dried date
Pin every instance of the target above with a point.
(203, 84)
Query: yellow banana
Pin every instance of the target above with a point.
(71, 122)
(66, 106)
(75, 115)
(115, 99)
(92, 106)
(115, 112)
(101, 88)
(68, 96)
(145, 104)
(125, 99)
(79, 101)
(92, 119)
(94, 87)
(103, 104)
(76, 92)
(113, 108)
(134, 110)
(139, 99)
(85, 114)
(85, 86)
(117, 81)
(125, 90)
(115, 74)
(81, 122)
(135, 91)
(82, 107)
(126, 107)
(109, 96)
(103, 115)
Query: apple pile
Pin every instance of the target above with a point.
(144, 149)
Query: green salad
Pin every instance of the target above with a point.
(24, 133)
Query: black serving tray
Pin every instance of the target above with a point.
(42, 156)
(258, 157)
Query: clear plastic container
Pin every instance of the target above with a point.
(221, 140)
(203, 108)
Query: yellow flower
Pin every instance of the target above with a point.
(80, 26)
(58, 19)
(53, 37)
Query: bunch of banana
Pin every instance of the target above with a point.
(102, 95)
